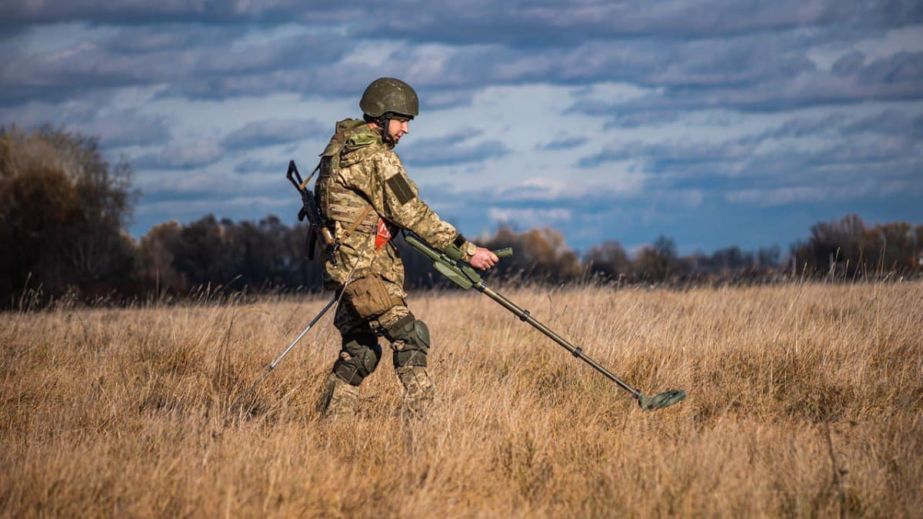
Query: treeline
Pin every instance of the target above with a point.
(849, 249)
(63, 213)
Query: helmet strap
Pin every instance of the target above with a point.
(384, 122)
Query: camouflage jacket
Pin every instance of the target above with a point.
(361, 177)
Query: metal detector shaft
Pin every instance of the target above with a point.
(447, 263)
(574, 350)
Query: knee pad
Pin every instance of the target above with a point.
(358, 358)
(410, 341)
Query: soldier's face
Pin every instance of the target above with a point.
(397, 129)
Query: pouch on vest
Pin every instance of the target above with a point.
(369, 297)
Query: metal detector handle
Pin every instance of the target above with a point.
(505, 252)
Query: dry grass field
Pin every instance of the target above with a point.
(804, 401)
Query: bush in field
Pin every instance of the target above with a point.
(658, 262)
(63, 210)
(540, 254)
(608, 261)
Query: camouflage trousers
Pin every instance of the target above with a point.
(368, 311)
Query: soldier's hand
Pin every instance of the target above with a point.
(483, 259)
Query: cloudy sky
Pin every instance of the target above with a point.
(714, 122)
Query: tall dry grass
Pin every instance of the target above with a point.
(804, 400)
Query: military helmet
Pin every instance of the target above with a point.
(387, 94)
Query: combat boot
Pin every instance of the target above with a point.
(340, 399)
(419, 391)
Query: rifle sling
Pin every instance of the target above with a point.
(304, 184)
(355, 223)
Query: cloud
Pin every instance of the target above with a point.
(803, 126)
(559, 23)
(537, 189)
(639, 119)
(524, 23)
(849, 63)
(125, 128)
(182, 156)
(530, 217)
(534, 193)
(436, 98)
(215, 61)
(256, 166)
(190, 61)
(847, 158)
(885, 122)
(137, 12)
(453, 149)
(114, 128)
(687, 55)
(270, 132)
(583, 212)
(562, 143)
(197, 207)
(666, 156)
(812, 93)
(890, 122)
(893, 78)
(781, 196)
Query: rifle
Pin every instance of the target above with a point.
(317, 222)
(447, 263)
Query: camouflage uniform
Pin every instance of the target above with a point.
(364, 192)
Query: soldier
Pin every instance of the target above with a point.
(366, 195)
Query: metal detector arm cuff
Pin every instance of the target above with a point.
(455, 271)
